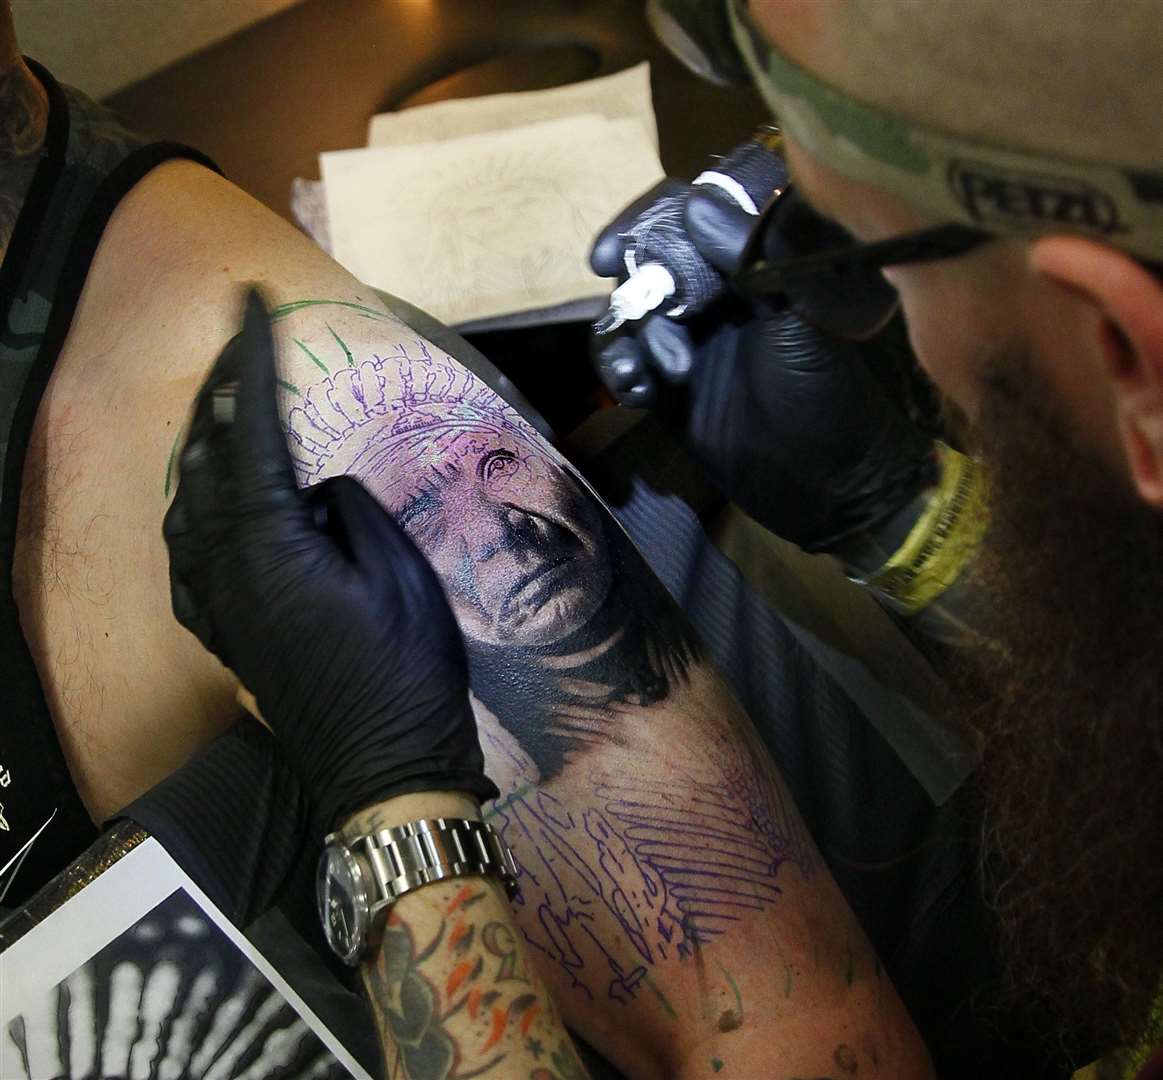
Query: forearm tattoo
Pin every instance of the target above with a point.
(454, 997)
(576, 649)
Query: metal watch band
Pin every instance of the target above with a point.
(407, 856)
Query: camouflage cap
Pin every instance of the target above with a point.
(1001, 189)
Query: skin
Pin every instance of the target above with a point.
(521, 554)
(93, 588)
(650, 756)
(1093, 316)
(91, 580)
(485, 1006)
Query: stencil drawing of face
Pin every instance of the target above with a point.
(517, 543)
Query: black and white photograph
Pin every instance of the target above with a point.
(171, 996)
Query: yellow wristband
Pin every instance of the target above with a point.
(942, 542)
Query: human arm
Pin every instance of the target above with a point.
(625, 883)
(451, 980)
(606, 762)
(451, 985)
(273, 581)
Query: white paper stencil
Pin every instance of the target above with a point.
(487, 225)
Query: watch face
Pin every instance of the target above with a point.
(342, 906)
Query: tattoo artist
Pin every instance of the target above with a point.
(774, 393)
(339, 628)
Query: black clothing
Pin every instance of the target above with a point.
(88, 163)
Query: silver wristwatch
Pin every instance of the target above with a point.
(358, 880)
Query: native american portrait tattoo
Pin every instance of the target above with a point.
(560, 613)
(575, 648)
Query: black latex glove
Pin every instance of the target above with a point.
(789, 422)
(318, 601)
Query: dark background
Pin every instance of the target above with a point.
(265, 102)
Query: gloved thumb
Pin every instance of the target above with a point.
(606, 256)
(362, 529)
(720, 229)
(382, 552)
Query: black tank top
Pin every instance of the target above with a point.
(88, 163)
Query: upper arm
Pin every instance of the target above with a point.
(671, 896)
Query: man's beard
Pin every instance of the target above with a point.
(1069, 698)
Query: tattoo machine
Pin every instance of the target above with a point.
(662, 260)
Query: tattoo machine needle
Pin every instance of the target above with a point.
(661, 259)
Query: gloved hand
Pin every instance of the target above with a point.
(317, 600)
(790, 423)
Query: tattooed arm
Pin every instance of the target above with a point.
(674, 904)
(665, 873)
(451, 986)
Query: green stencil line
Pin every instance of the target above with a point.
(787, 978)
(343, 346)
(283, 310)
(661, 999)
(170, 462)
(734, 989)
(318, 363)
(504, 804)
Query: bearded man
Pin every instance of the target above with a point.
(1001, 166)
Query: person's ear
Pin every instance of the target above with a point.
(1130, 300)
